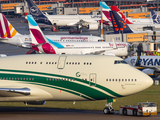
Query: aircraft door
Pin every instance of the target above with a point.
(92, 79)
(61, 62)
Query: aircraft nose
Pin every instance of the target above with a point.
(147, 81)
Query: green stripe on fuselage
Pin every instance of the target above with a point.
(89, 91)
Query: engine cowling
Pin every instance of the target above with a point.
(151, 71)
(93, 26)
(109, 53)
(34, 102)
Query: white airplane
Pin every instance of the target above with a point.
(37, 78)
(147, 64)
(90, 22)
(42, 44)
(9, 35)
(134, 24)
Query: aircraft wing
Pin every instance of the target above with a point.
(72, 24)
(81, 23)
(93, 52)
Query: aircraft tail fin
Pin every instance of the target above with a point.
(36, 34)
(105, 11)
(119, 24)
(115, 8)
(6, 29)
(33, 9)
(37, 13)
(155, 17)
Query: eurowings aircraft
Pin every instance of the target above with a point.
(42, 44)
(147, 64)
(34, 79)
(90, 22)
(134, 24)
(9, 35)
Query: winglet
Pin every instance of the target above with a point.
(114, 44)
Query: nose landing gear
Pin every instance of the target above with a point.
(108, 109)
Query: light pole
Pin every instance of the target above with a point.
(101, 23)
(121, 29)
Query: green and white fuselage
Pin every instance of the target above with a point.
(46, 77)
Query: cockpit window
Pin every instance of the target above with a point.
(120, 62)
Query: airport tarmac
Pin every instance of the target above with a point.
(22, 28)
(28, 113)
(35, 113)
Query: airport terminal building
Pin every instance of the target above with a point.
(65, 7)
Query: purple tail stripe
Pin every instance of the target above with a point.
(38, 36)
(1, 30)
(107, 14)
(6, 26)
(47, 48)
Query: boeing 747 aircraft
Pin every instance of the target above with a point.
(90, 22)
(43, 45)
(34, 79)
(9, 35)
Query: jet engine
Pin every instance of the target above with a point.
(151, 71)
(35, 102)
(93, 26)
(109, 53)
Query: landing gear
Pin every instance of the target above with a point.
(108, 109)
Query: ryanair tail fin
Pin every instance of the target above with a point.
(119, 24)
(6, 29)
(155, 17)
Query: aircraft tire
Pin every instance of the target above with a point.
(106, 110)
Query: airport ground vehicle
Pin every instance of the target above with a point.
(73, 30)
(142, 109)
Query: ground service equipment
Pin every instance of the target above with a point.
(143, 109)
